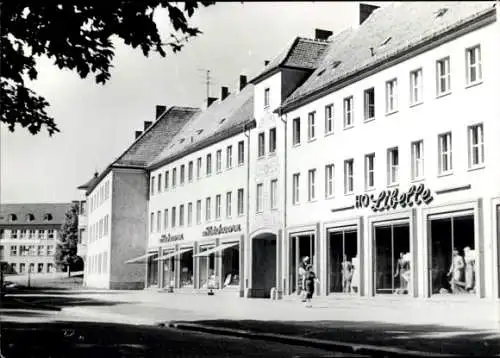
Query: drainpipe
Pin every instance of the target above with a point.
(248, 247)
(285, 196)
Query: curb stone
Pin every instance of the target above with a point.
(344, 347)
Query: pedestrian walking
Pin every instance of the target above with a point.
(309, 281)
(301, 277)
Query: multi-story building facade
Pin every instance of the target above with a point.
(28, 236)
(198, 200)
(117, 206)
(400, 180)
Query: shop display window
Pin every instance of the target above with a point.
(207, 276)
(301, 247)
(168, 270)
(153, 270)
(231, 266)
(186, 266)
(343, 263)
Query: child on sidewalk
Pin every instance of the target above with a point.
(310, 280)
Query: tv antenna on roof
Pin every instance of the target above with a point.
(208, 81)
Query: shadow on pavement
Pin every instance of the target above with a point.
(426, 338)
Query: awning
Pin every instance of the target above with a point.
(216, 249)
(140, 258)
(172, 254)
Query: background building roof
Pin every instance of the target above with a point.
(39, 212)
(221, 117)
(387, 31)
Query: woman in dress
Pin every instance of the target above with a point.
(309, 281)
(456, 272)
(470, 261)
(347, 271)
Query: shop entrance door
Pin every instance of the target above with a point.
(452, 255)
(343, 263)
(152, 270)
(301, 246)
(392, 271)
(168, 270)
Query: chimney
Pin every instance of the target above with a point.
(320, 34)
(137, 134)
(147, 124)
(96, 174)
(266, 62)
(159, 110)
(365, 11)
(224, 92)
(243, 81)
(211, 100)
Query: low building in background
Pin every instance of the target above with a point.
(29, 234)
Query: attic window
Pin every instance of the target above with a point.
(321, 72)
(13, 217)
(335, 64)
(441, 12)
(30, 217)
(199, 131)
(386, 41)
(48, 217)
(182, 140)
(222, 120)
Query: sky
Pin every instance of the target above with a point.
(98, 122)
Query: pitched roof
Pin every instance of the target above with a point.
(388, 31)
(151, 142)
(302, 53)
(219, 119)
(38, 210)
(90, 182)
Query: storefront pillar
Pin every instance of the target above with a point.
(279, 254)
(286, 256)
(317, 255)
(414, 249)
(177, 268)
(242, 272)
(160, 269)
(218, 265)
(196, 265)
(479, 224)
(361, 254)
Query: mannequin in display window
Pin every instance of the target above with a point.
(470, 263)
(403, 271)
(456, 272)
(302, 275)
(347, 273)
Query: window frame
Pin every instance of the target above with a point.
(229, 157)
(311, 126)
(329, 118)
(296, 136)
(259, 203)
(218, 161)
(348, 176)
(416, 84)
(417, 163)
(472, 146)
(448, 154)
(369, 105)
(241, 202)
(267, 93)
(272, 140)
(393, 166)
(295, 188)
(329, 181)
(348, 112)
(273, 185)
(447, 76)
(311, 185)
(241, 152)
(218, 206)
(391, 96)
(369, 172)
(477, 66)
(261, 145)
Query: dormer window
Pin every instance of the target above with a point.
(48, 217)
(441, 12)
(181, 140)
(222, 120)
(30, 217)
(335, 64)
(12, 217)
(199, 131)
(386, 41)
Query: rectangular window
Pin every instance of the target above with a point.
(152, 186)
(329, 180)
(167, 179)
(241, 152)
(349, 176)
(473, 58)
(181, 215)
(41, 234)
(417, 159)
(329, 119)
(174, 177)
(190, 214)
(348, 115)
(391, 96)
(50, 250)
(476, 145)
(262, 144)
(218, 161)
(369, 104)
(260, 197)
(198, 211)
(272, 140)
(13, 250)
(228, 204)
(392, 166)
(190, 171)
(241, 201)
(416, 95)
(40, 250)
(165, 219)
(218, 205)
(295, 188)
(229, 157)
(266, 97)
(296, 131)
(445, 163)
(159, 183)
(311, 178)
(50, 234)
(183, 167)
(209, 164)
(174, 214)
(31, 249)
(31, 234)
(22, 235)
(13, 234)
(158, 221)
(198, 168)
(443, 76)
(208, 213)
(274, 194)
(369, 171)
(311, 125)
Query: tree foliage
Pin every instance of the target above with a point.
(66, 247)
(77, 36)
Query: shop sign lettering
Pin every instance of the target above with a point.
(391, 199)
(217, 230)
(170, 238)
